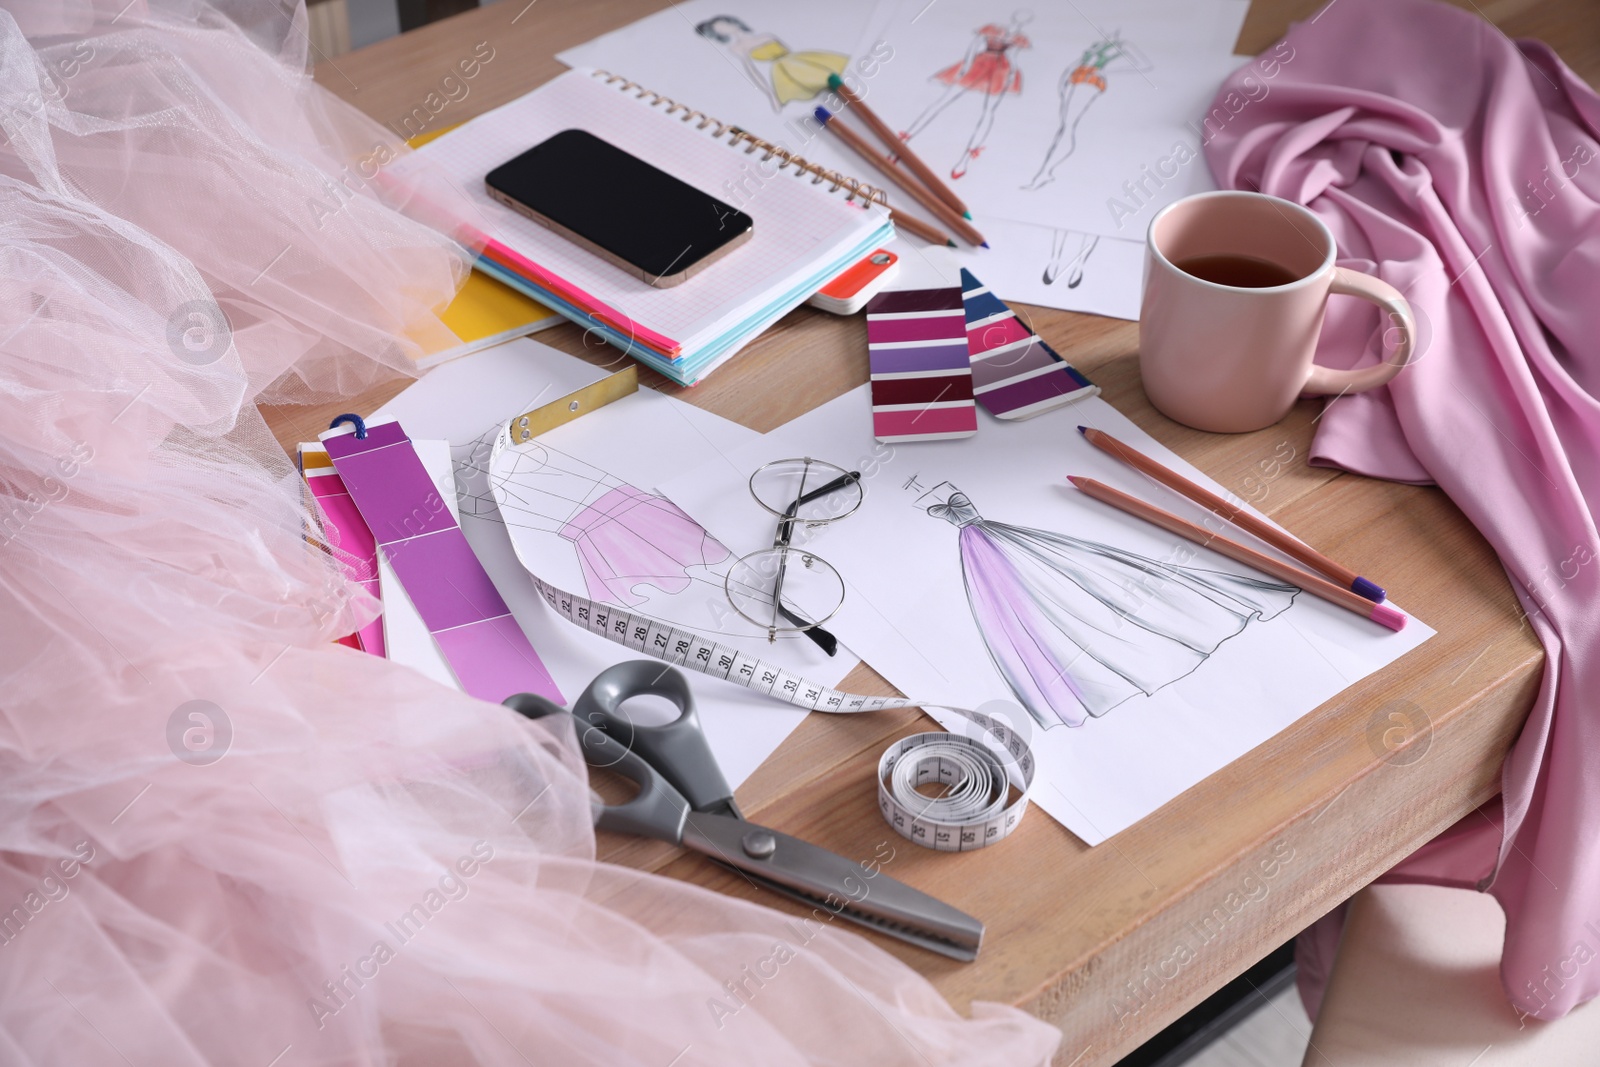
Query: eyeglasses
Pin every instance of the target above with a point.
(786, 588)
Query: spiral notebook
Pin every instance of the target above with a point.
(810, 223)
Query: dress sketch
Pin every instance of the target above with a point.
(1061, 241)
(1076, 627)
(1082, 83)
(625, 539)
(989, 69)
(781, 75)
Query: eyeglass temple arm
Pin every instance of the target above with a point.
(786, 524)
(820, 637)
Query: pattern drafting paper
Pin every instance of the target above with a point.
(1085, 116)
(975, 574)
(348, 535)
(921, 373)
(486, 649)
(638, 441)
(1015, 375)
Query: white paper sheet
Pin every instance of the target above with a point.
(1055, 115)
(907, 609)
(1065, 269)
(1064, 246)
(666, 54)
(462, 400)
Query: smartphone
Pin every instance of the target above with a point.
(655, 227)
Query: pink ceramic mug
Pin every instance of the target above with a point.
(1232, 354)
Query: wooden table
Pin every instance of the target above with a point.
(1113, 943)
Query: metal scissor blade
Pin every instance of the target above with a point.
(830, 883)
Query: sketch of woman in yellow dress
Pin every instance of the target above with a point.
(1082, 83)
(788, 76)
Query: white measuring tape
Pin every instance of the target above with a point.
(977, 809)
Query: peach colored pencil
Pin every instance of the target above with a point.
(902, 150)
(921, 229)
(1382, 614)
(1289, 546)
(936, 207)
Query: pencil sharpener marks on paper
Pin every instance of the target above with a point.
(1400, 733)
(198, 332)
(199, 732)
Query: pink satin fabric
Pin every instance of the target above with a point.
(223, 838)
(1464, 169)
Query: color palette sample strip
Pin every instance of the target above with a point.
(486, 649)
(921, 372)
(1015, 374)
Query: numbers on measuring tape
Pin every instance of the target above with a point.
(977, 808)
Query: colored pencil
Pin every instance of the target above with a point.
(1382, 614)
(938, 208)
(1289, 546)
(922, 229)
(902, 150)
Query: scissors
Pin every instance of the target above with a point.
(684, 799)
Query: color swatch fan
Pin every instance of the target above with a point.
(921, 373)
(1015, 374)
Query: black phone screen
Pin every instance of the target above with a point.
(619, 203)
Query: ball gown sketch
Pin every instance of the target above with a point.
(1076, 627)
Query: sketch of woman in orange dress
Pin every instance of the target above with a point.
(989, 69)
(789, 76)
(1082, 83)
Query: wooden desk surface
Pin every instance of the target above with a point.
(1112, 943)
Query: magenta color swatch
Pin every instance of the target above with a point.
(487, 650)
(347, 531)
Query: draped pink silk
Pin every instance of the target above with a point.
(1464, 169)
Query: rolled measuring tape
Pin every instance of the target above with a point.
(977, 808)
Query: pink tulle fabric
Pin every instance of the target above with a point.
(1464, 169)
(225, 839)
(629, 537)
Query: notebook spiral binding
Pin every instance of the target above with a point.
(854, 188)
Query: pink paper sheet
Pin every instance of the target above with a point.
(1464, 169)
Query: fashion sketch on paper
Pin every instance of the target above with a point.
(1076, 627)
(781, 75)
(626, 539)
(989, 69)
(1083, 83)
(1081, 245)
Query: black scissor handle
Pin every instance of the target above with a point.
(658, 811)
(677, 749)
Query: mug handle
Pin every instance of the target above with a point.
(1323, 381)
